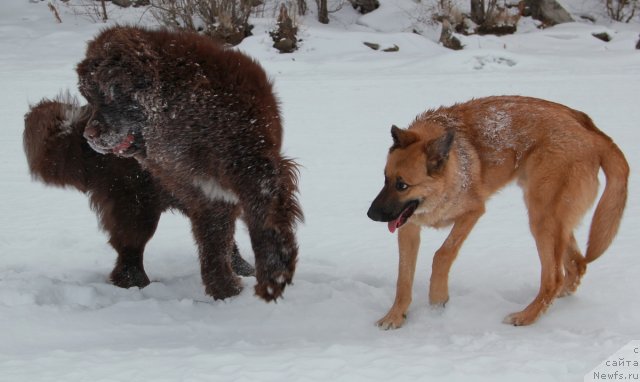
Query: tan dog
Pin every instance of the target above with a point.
(442, 169)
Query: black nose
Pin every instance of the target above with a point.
(374, 214)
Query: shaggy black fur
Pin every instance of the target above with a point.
(204, 121)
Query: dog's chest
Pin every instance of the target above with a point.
(214, 191)
(435, 219)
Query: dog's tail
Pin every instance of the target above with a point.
(608, 214)
(52, 141)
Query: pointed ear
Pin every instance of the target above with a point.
(438, 152)
(402, 138)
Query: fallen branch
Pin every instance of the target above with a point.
(53, 10)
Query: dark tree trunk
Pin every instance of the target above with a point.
(104, 11)
(323, 11)
(477, 11)
(302, 7)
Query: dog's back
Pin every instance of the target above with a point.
(505, 131)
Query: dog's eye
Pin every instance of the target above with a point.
(401, 186)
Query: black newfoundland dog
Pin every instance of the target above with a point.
(204, 122)
(127, 200)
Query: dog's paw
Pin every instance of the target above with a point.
(129, 276)
(438, 294)
(392, 320)
(241, 267)
(520, 319)
(566, 292)
(569, 288)
(224, 289)
(272, 288)
(438, 303)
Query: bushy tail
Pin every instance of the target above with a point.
(53, 142)
(608, 214)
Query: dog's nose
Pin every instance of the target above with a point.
(374, 214)
(91, 130)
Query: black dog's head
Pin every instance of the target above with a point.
(116, 77)
(115, 127)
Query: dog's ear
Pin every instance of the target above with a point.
(437, 151)
(402, 138)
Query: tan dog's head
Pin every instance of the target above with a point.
(413, 173)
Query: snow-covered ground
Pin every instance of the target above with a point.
(60, 320)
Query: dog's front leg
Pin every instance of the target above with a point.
(408, 244)
(446, 254)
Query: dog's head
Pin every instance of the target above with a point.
(414, 172)
(116, 77)
(112, 129)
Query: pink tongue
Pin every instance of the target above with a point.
(124, 144)
(394, 224)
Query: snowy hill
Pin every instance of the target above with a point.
(60, 319)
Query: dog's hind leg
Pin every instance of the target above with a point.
(574, 268)
(551, 241)
(129, 269)
(130, 226)
(556, 197)
(213, 226)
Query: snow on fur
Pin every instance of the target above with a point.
(61, 320)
